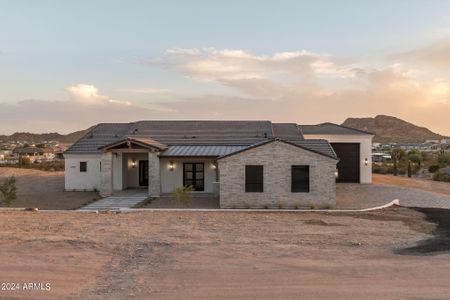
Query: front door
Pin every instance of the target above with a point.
(194, 174)
(143, 173)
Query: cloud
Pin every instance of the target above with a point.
(307, 87)
(88, 94)
(147, 90)
(436, 55)
(83, 108)
(298, 86)
(212, 64)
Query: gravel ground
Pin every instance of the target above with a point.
(363, 196)
(221, 255)
(44, 190)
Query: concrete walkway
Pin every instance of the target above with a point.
(123, 199)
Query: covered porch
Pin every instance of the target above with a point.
(131, 163)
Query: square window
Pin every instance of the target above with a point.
(300, 179)
(254, 182)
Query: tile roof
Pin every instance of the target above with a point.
(176, 133)
(330, 128)
(321, 147)
(287, 131)
(196, 138)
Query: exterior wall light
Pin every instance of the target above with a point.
(336, 173)
(171, 165)
(213, 166)
(133, 163)
(366, 161)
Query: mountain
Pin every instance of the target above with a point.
(38, 138)
(391, 129)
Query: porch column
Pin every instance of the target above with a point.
(154, 177)
(106, 175)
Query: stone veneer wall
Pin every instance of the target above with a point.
(154, 176)
(277, 158)
(106, 175)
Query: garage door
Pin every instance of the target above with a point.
(348, 165)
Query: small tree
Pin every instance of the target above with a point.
(416, 157)
(396, 155)
(443, 159)
(8, 191)
(183, 194)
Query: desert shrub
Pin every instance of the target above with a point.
(433, 168)
(24, 161)
(281, 205)
(8, 191)
(381, 169)
(183, 194)
(443, 158)
(442, 175)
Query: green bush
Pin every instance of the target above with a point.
(442, 175)
(183, 194)
(443, 158)
(381, 169)
(433, 168)
(8, 191)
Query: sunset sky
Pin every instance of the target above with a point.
(67, 65)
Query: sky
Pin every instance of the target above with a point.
(67, 65)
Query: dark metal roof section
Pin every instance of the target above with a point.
(200, 150)
(321, 147)
(287, 131)
(330, 128)
(227, 133)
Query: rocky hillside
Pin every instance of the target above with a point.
(37, 138)
(391, 129)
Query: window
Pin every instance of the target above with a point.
(83, 166)
(254, 179)
(300, 179)
(194, 175)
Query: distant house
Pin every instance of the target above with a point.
(256, 163)
(28, 151)
(379, 157)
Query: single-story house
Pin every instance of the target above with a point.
(244, 163)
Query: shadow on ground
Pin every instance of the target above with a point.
(440, 242)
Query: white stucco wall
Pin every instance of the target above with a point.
(172, 179)
(80, 181)
(365, 142)
(130, 174)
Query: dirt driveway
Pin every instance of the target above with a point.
(221, 255)
(421, 184)
(44, 190)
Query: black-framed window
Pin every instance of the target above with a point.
(300, 179)
(83, 166)
(194, 175)
(254, 179)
